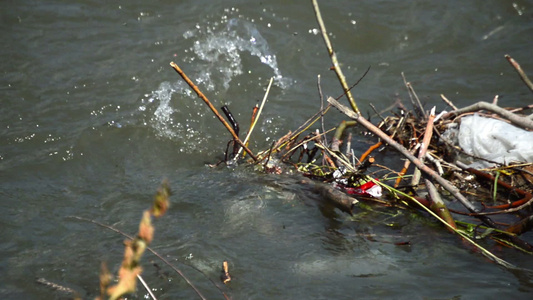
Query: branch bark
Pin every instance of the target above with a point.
(523, 122)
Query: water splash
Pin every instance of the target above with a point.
(222, 51)
(215, 58)
(180, 124)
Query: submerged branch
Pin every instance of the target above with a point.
(336, 197)
(451, 227)
(437, 205)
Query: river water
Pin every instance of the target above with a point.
(93, 118)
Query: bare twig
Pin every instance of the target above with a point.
(521, 72)
(370, 149)
(257, 116)
(495, 99)
(333, 56)
(417, 106)
(424, 146)
(436, 162)
(213, 109)
(523, 122)
(450, 103)
(319, 87)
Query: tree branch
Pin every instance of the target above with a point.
(523, 122)
(419, 164)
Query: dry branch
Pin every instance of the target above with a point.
(520, 72)
(428, 171)
(213, 109)
(524, 122)
(333, 56)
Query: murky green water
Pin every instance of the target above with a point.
(93, 118)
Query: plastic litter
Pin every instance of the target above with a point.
(494, 140)
(365, 188)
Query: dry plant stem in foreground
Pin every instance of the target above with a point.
(134, 249)
(213, 109)
(428, 171)
(153, 252)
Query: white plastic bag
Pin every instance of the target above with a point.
(494, 140)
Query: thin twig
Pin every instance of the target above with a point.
(424, 146)
(450, 103)
(521, 72)
(369, 151)
(291, 136)
(377, 112)
(436, 162)
(333, 57)
(403, 171)
(417, 106)
(319, 86)
(213, 109)
(146, 287)
(256, 117)
(495, 100)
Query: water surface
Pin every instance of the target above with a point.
(93, 118)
